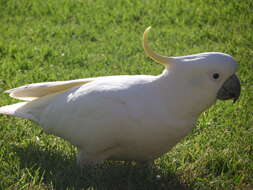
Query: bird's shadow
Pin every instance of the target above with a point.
(61, 172)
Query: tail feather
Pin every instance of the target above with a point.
(16, 110)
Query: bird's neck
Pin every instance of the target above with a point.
(183, 98)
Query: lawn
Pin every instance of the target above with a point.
(49, 40)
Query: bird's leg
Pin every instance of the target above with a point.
(145, 164)
(130, 173)
(149, 164)
(87, 162)
(129, 164)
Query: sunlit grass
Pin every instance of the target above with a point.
(67, 39)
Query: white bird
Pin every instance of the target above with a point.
(131, 118)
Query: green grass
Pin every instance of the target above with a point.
(67, 39)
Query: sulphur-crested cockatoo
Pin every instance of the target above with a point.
(132, 118)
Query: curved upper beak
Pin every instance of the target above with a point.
(231, 89)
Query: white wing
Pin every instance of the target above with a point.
(36, 90)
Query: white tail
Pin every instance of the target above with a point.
(16, 110)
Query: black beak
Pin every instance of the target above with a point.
(231, 89)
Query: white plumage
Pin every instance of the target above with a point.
(136, 117)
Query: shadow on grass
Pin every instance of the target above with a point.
(62, 173)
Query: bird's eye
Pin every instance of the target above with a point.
(216, 76)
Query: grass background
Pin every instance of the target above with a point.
(48, 40)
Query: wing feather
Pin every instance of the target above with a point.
(36, 90)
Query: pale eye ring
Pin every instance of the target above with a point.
(216, 76)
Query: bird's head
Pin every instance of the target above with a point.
(211, 74)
